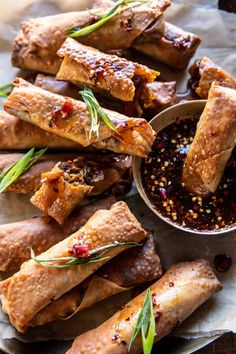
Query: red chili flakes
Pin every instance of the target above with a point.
(80, 251)
(61, 112)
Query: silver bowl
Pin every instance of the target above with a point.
(181, 111)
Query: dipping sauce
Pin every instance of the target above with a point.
(161, 177)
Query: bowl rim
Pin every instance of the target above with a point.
(137, 178)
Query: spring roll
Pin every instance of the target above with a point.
(70, 182)
(203, 72)
(175, 48)
(213, 143)
(131, 268)
(30, 180)
(183, 288)
(17, 134)
(70, 119)
(40, 234)
(36, 46)
(35, 286)
(104, 73)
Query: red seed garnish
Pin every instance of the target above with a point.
(80, 251)
(99, 72)
(222, 263)
(67, 108)
(163, 193)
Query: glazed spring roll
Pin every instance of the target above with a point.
(131, 268)
(203, 72)
(30, 180)
(36, 46)
(70, 182)
(213, 143)
(18, 134)
(70, 119)
(175, 48)
(40, 234)
(35, 285)
(183, 288)
(104, 73)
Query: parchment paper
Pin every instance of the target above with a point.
(218, 31)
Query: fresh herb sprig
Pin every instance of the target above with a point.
(5, 90)
(76, 32)
(96, 111)
(93, 256)
(19, 167)
(146, 324)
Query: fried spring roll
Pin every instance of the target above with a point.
(175, 48)
(104, 73)
(70, 182)
(18, 134)
(183, 288)
(40, 234)
(203, 72)
(69, 118)
(131, 268)
(30, 180)
(213, 143)
(36, 45)
(35, 286)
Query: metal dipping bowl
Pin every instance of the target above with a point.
(181, 111)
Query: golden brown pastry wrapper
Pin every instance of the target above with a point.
(35, 286)
(36, 45)
(104, 73)
(204, 71)
(40, 234)
(49, 111)
(70, 182)
(175, 296)
(18, 134)
(131, 268)
(175, 48)
(213, 143)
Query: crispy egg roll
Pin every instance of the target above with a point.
(30, 180)
(213, 143)
(183, 288)
(18, 134)
(203, 72)
(131, 268)
(35, 286)
(104, 73)
(40, 234)
(36, 46)
(70, 119)
(70, 182)
(175, 48)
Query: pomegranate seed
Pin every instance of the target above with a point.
(222, 263)
(163, 193)
(81, 251)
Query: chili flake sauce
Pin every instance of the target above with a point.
(161, 178)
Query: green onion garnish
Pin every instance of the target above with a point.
(18, 168)
(146, 324)
(102, 20)
(5, 90)
(92, 256)
(96, 111)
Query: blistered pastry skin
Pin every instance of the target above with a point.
(213, 143)
(183, 288)
(203, 72)
(70, 119)
(131, 268)
(35, 286)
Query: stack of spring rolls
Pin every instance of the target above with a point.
(76, 255)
